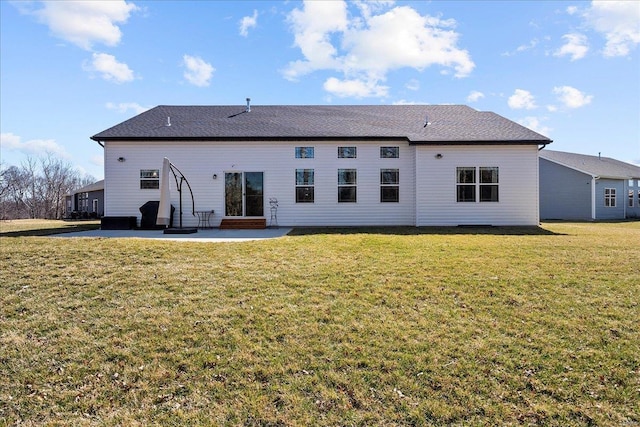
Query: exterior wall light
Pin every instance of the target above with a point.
(121, 159)
(438, 156)
(215, 176)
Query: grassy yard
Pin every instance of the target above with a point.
(43, 227)
(369, 327)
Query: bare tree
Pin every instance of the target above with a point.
(58, 179)
(38, 188)
(13, 182)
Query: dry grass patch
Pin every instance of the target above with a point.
(419, 327)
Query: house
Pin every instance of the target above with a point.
(418, 165)
(581, 187)
(86, 202)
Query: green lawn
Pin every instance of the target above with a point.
(364, 327)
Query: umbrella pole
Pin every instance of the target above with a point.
(180, 193)
(183, 179)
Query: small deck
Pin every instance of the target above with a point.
(243, 224)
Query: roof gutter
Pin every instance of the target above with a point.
(251, 138)
(480, 142)
(544, 145)
(98, 141)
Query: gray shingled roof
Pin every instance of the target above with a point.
(603, 167)
(96, 186)
(451, 124)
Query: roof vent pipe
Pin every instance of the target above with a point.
(248, 110)
(168, 121)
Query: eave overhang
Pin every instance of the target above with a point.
(320, 138)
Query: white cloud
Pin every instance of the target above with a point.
(575, 46)
(248, 22)
(413, 84)
(124, 107)
(355, 88)
(83, 23)
(572, 97)
(522, 99)
(198, 72)
(12, 142)
(365, 48)
(475, 96)
(535, 124)
(110, 69)
(618, 22)
(522, 48)
(312, 29)
(405, 102)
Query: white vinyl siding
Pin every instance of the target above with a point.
(436, 198)
(199, 161)
(426, 183)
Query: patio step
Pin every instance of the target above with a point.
(243, 223)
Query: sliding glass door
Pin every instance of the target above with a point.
(244, 193)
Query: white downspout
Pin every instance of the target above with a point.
(593, 197)
(625, 195)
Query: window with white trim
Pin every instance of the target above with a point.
(347, 185)
(610, 197)
(488, 184)
(347, 152)
(305, 152)
(389, 152)
(477, 184)
(466, 184)
(631, 197)
(389, 185)
(149, 179)
(304, 186)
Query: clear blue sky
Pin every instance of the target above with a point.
(567, 69)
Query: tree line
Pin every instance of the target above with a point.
(37, 188)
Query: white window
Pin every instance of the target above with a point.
(610, 197)
(477, 184)
(304, 152)
(347, 152)
(149, 179)
(631, 197)
(94, 205)
(347, 185)
(304, 186)
(466, 184)
(389, 185)
(389, 152)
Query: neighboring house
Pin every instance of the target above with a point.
(580, 187)
(86, 202)
(417, 165)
